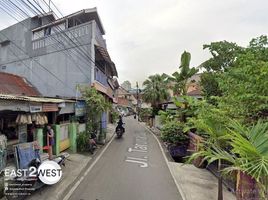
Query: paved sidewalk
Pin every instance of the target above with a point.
(194, 183)
(197, 184)
(110, 132)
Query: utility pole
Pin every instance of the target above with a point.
(137, 108)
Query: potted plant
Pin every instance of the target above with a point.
(172, 133)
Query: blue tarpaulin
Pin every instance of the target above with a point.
(25, 154)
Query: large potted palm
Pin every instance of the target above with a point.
(248, 158)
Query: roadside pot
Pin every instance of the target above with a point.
(193, 147)
(178, 152)
(246, 187)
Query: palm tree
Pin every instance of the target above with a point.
(248, 156)
(180, 78)
(156, 90)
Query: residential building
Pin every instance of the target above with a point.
(58, 55)
(126, 85)
(126, 102)
(24, 114)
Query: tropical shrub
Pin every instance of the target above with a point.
(82, 141)
(96, 104)
(145, 113)
(248, 152)
(114, 116)
(168, 115)
(172, 132)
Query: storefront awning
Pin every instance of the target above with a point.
(33, 99)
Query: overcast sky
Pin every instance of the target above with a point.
(145, 37)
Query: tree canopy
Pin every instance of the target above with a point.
(155, 90)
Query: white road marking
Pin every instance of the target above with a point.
(68, 195)
(136, 150)
(143, 164)
(142, 159)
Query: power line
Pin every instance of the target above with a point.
(35, 10)
(62, 32)
(54, 38)
(73, 36)
(34, 59)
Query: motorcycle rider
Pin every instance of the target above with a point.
(120, 124)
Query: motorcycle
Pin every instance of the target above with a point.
(120, 130)
(31, 183)
(92, 143)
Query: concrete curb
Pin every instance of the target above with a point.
(179, 187)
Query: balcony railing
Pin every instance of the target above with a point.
(60, 37)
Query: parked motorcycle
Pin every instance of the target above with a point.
(31, 183)
(92, 143)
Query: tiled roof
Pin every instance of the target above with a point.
(16, 85)
(196, 92)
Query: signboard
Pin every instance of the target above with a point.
(80, 108)
(36, 109)
(22, 133)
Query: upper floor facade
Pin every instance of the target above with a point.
(58, 55)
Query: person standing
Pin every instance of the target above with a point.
(50, 141)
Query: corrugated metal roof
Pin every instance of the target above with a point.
(104, 53)
(16, 85)
(33, 99)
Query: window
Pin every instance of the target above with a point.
(3, 68)
(38, 34)
(47, 31)
(5, 43)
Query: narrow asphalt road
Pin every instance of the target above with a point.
(132, 168)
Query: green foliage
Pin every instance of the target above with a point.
(96, 104)
(239, 76)
(114, 115)
(248, 153)
(187, 107)
(145, 113)
(223, 54)
(180, 78)
(166, 116)
(155, 90)
(244, 87)
(82, 141)
(172, 132)
(210, 86)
